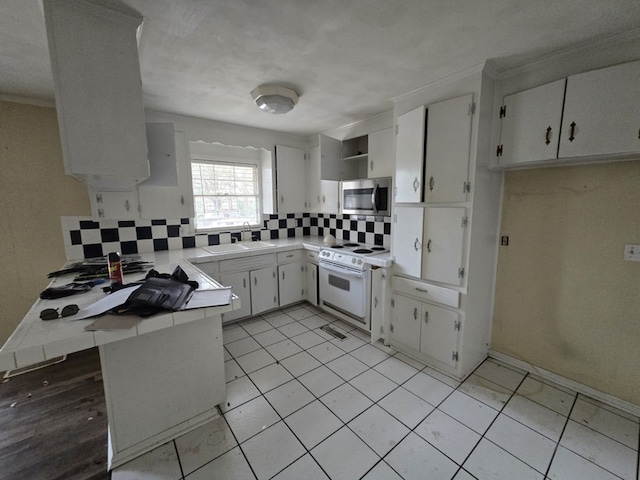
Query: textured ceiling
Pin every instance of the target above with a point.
(346, 59)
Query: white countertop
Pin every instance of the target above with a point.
(35, 340)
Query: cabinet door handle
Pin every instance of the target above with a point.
(417, 245)
(547, 137)
(255, 281)
(375, 302)
(416, 184)
(323, 199)
(127, 205)
(318, 198)
(283, 275)
(429, 246)
(244, 282)
(573, 131)
(371, 164)
(426, 316)
(432, 182)
(415, 313)
(423, 290)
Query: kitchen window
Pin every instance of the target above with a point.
(225, 194)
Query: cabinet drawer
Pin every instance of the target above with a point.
(312, 256)
(247, 263)
(427, 291)
(290, 256)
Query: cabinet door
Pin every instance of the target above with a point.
(114, 205)
(406, 314)
(447, 156)
(601, 112)
(290, 179)
(240, 285)
(312, 283)
(381, 162)
(264, 290)
(410, 156)
(329, 196)
(443, 242)
(407, 240)
(168, 192)
(291, 283)
(313, 184)
(330, 158)
(531, 124)
(439, 334)
(379, 302)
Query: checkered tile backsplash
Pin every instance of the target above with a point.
(86, 238)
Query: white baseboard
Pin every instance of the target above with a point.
(603, 397)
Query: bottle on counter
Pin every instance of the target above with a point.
(115, 268)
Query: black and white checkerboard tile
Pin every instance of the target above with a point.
(86, 238)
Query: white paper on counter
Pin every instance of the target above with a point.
(105, 304)
(209, 298)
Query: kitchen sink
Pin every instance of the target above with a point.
(237, 247)
(227, 247)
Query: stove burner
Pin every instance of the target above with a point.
(362, 250)
(378, 248)
(351, 244)
(337, 246)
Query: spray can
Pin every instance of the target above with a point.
(115, 268)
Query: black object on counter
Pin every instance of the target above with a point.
(65, 290)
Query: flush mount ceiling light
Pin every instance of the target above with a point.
(275, 99)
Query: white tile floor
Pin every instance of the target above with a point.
(303, 404)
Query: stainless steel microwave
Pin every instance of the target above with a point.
(371, 196)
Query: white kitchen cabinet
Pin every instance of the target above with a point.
(601, 112)
(323, 195)
(114, 204)
(410, 131)
(168, 192)
(429, 330)
(264, 290)
(291, 173)
(530, 122)
(355, 158)
(291, 282)
(330, 151)
(241, 286)
(380, 297)
(329, 196)
(98, 91)
(447, 150)
(381, 153)
(443, 244)
(407, 240)
(406, 315)
(311, 273)
(439, 334)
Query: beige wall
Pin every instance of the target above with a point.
(34, 194)
(565, 299)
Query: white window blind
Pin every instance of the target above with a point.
(225, 194)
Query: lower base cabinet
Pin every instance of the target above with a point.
(264, 290)
(425, 328)
(311, 272)
(291, 283)
(240, 285)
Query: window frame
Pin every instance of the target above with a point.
(228, 160)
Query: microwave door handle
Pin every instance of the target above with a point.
(374, 199)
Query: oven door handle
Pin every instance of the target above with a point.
(343, 271)
(374, 198)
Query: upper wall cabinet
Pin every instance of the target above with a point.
(447, 150)
(531, 124)
(168, 193)
(330, 158)
(410, 129)
(380, 153)
(599, 114)
(98, 90)
(291, 173)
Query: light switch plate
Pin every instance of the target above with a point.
(632, 253)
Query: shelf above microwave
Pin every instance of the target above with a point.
(356, 157)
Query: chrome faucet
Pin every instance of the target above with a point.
(246, 231)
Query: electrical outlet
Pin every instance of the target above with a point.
(632, 253)
(504, 240)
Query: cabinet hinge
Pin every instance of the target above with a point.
(456, 325)
(99, 198)
(465, 222)
(397, 129)
(461, 272)
(393, 257)
(472, 108)
(466, 187)
(503, 111)
(391, 328)
(381, 329)
(274, 274)
(393, 303)
(454, 356)
(383, 274)
(499, 151)
(395, 191)
(395, 218)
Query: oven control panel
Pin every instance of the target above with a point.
(341, 258)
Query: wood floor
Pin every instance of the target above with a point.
(58, 426)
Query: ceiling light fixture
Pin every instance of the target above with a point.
(274, 99)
